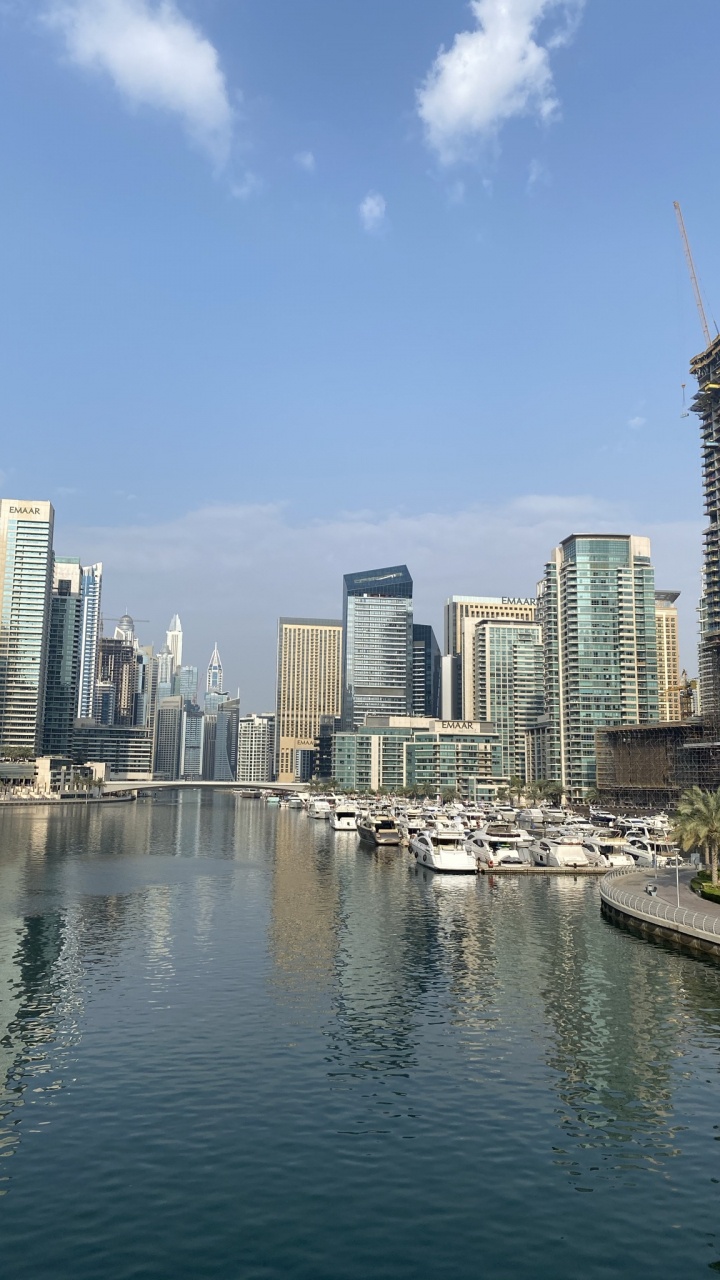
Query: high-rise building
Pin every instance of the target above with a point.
(426, 672)
(308, 687)
(63, 664)
(706, 369)
(91, 593)
(144, 704)
(461, 614)
(377, 644)
(165, 664)
(118, 666)
(226, 740)
(417, 751)
(209, 736)
(191, 751)
(174, 638)
(596, 606)
(668, 656)
(508, 683)
(26, 568)
(125, 629)
(214, 681)
(256, 748)
(167, 749)
(185, 682)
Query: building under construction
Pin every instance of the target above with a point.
(706, 404)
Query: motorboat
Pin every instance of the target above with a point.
(444, 849)
(602, 818)
(411, 823)
(558, 852)
(492, 852)
(378, 828)
(343, 817)
(319, 808)
(650, 853)
(606, 853)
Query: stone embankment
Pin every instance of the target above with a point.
(693, 924)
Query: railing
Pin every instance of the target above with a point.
(656, 908)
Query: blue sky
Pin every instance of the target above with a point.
(287, 294)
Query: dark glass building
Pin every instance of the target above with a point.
(377, 644)
(63, 662)
(425, 672)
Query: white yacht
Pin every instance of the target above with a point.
(494, 851)
(557, 852)
(443, 849)
(343, 817)
(606, 852)
(651, 853)
(377, 828)
(319, 808)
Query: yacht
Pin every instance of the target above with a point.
(651, 853)
(377, 828)
(343, 817)
(606, 852)
(443, 849)
(411, 823)
(558, 852)
(319, 808)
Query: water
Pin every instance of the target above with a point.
(233, 1044)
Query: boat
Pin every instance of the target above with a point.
(343, 817)
(607, 853)
(495, 851)
(444, 849)
(557, 852)
(651, 853)
(411, 823)
(319, 809)
(378, 828)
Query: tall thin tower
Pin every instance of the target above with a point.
(214, 673)
(26, 571)
(174, 637)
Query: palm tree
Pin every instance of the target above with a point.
(697, 824)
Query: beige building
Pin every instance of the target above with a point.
(668, 655)
(462, 613)
(309, 667)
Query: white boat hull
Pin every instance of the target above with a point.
(449, 861)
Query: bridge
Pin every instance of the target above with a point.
(277, 788)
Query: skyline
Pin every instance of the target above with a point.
(338, 305)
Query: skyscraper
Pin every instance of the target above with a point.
(191, 753)
(174, 638)
(214, 682)
(426, 672)
(596, 606)
(226, 740)
(461, 614)
(165, 664)
(308, 687)
(167, 747)
(706, 368)
(668, 656)
(256, 748)
(185, 682)
(118, 666)
(377, 644)
(508, 684)
(26, 567)
(91, 591)
(63, 665)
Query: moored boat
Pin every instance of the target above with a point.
(444, 849)
(378, 828)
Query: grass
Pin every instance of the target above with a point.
(701, 884)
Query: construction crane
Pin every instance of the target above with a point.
(693, 273)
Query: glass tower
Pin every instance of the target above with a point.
(596, 605)
(508, 684)
(63, 666)
(26, 568)
(91, 590)
(377, 644)
(426, 672)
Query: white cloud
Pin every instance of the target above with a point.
(305, 160)
(637, 422)
(372, 211)
(499, 70)
(230, 571)
(155, 57)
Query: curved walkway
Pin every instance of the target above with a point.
(694, 924)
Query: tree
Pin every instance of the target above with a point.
(515, 787)
(697, 825)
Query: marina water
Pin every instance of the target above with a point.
(235, 1044)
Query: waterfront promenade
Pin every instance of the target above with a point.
(674, 912)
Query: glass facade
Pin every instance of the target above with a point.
(597, 608)
(426, 754)
(508, 682)
(63, 665)
(91, 593)
(426, 672)
(377, 644)
(26, 565)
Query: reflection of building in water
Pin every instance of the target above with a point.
(305, 899)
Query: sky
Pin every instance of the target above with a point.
(290, 291)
